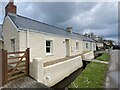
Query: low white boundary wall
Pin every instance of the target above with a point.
(53, 74)
(88, 56)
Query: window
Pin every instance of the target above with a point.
(13, 44)
(86, 45)
(77, 46)
(49, 47)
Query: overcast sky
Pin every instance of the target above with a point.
(98, 17)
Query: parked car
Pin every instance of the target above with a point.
(116, 47)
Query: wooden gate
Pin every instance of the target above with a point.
(16, 64)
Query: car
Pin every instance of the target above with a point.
(116, 47)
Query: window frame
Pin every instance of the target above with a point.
(51, 47)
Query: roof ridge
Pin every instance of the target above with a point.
(40, 22)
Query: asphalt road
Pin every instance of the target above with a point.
(113, 76)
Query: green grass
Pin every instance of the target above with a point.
(93, 76)
(104, 57)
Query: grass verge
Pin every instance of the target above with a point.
(93, 76)
(104, 57)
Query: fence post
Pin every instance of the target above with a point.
(3, 67)
(27, 60)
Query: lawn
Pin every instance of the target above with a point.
(104, 57)
(93, 76)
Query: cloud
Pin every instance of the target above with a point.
(98, 17)
(54, 12)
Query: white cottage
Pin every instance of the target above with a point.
(46, 42)
(88, 44)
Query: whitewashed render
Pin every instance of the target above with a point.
(88, 45)
(61, 46)
(37, 41)
(53, 74)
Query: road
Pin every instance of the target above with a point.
(113, 76)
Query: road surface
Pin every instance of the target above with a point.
(113, 76)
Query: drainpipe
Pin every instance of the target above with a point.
(27, 39)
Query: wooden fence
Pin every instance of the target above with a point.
(14, 65)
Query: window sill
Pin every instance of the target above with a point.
(49, 54)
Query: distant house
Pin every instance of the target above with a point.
(89, 44)
(99, 44)
(47, 43)
(1, 42)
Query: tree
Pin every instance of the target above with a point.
(100, 38)
(92, 35)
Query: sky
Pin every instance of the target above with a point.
(100, 18)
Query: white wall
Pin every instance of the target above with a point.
(37, 44)
(94, 46)
(9, 32)
(0, 44)
(53, 74)
(73, 47)
(91, 46)
(84, 46)
(88, 56)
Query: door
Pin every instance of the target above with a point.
(67, 47)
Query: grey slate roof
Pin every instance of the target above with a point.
(88, 39)
(85, 38)
(0, 31)
(97, 41)
(27, 23)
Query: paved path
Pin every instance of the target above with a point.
(24, 82)
(94, 60)
(104, 62)
(113, 76)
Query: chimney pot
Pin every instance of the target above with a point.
(69, 29)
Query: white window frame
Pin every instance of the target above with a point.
(51, 47)
(77, 46)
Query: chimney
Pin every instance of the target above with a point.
(10, 8)
(69, 29)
